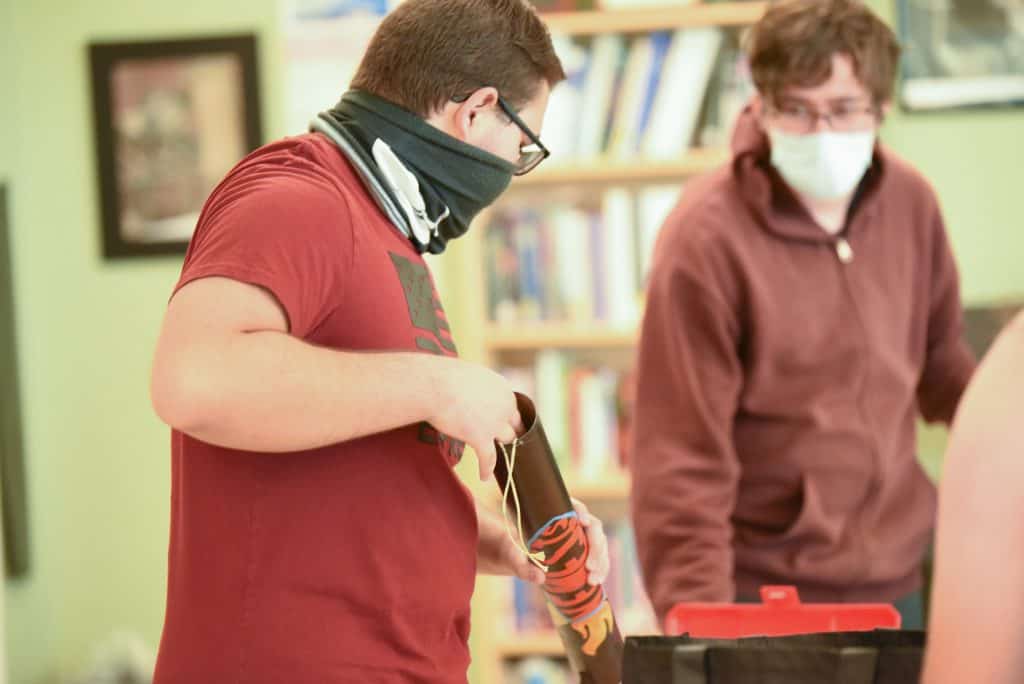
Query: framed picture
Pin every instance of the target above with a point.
(961, 53)
(171, 117)
(13, 493)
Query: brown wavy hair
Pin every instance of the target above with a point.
(793, 45)
(426, 52)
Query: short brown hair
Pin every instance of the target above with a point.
(793, 45)
(426, 52)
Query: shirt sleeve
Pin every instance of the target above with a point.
(289, 235)
(949, 362)
(685, 472)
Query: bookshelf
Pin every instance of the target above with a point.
(524, 340)
(498, 339)
(611, 171)
(646, 19)
(533, 643)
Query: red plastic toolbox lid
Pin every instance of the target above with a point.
(779, 614)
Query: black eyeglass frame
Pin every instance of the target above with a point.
(827, 116)
(522, 168)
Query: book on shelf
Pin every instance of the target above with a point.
(582, 409)
(594, 435)
(575, 263)
(619, 267)
(528, 248)
(654, 203)
(598, 92)
(730, 90)
(631, 4)
(552, 400)
(565, 102)
(540, 670)
(678, 102)
(660, 43)
(571, 226)
(645, 96)
(627, 102)
(625, 401)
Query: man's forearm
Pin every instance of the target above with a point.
(268, 391)
(975, 623)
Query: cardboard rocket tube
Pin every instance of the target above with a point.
(581, 612)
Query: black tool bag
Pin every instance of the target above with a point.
(879, 657)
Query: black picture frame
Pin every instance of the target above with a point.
(13, 490)
(171, 118)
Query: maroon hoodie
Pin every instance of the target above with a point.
(781, 370)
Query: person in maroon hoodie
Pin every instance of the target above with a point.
(803, 309)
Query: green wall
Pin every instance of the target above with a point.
(97, 457)
(974, 159)
(6, 57)
(98, 467)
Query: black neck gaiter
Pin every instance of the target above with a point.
(451, 174)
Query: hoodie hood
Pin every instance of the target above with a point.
(774, 204)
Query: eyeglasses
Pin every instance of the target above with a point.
(845, 117)
(529, 155)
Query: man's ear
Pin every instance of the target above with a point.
(759, 110)
(884, 110)
(464, 118)
(757, 105)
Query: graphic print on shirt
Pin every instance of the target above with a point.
(427, 315)
(425, 310)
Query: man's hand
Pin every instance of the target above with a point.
(598, 562)
(473, 404)
(497, 554)
(228, 371)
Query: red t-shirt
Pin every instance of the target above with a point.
(354, 562)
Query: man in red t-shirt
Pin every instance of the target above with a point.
(318, 531)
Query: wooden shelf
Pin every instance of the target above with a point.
(640, 19)
(578, 181)
(537, 336)
(613, 487)
(529, 644)
(696, 162)
(597, 494)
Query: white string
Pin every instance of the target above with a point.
(535, 557)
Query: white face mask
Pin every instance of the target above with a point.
(826, 165)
